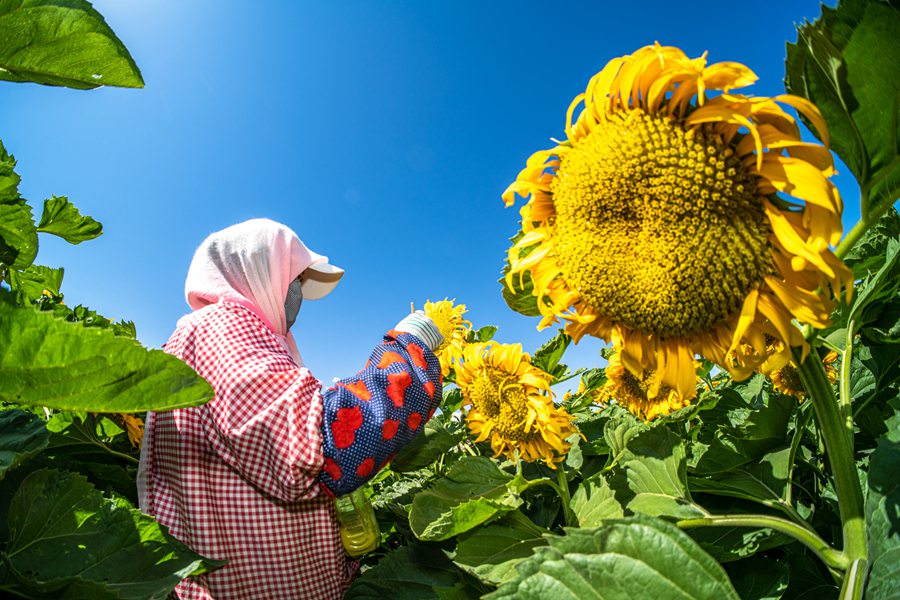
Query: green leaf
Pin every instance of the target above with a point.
(655, 467)
(22, 435)
(492, 553)
(547, 357)
(452, 400)
(654, 462)
(30, 284)
(664, 505)
(618, 431)
(66, 539)
(486, 333)
(846, 62)
(639, 557)
(883, 512)
(595, 502)
(867, 255)
(45, 361)
(762, 481)
(435, 440)
(18, 235)
(473, 492)
(728, 544)
(738, 430)
(759, 578)
(521, 296)
(885, 284)
(61, 218)
(408, 573)
(62, 42)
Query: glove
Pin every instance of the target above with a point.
(420, 325)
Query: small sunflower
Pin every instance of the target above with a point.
(511, 403)
(787, 379)
(656, 224)
(646, 396)
(134, 428)
(449, 320)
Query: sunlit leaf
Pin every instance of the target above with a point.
(31, 283)
(61, 218)
(18, 234)
(435, 440)
(473, 492)
(638, 557)
(847, 63)
(521, 297)
(45, 361)
(594, 502)
(62, 42)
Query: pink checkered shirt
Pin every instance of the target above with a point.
(235, 479)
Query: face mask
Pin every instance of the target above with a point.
(292, 302)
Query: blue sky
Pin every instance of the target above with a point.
(382, 132)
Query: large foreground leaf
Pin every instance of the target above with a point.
(45, 361)
(473, 492)
(638, 557)
(883, 512)
(67, 540)
(62, 42)
(22, 435)
(848, 63)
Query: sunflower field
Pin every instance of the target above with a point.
(738, 439)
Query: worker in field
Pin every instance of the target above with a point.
(251, 476)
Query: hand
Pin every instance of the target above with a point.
(420, 325)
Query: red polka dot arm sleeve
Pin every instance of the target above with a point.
(372, 415)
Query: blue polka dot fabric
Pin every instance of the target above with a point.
(369, 417)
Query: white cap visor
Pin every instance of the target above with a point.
(319, 279)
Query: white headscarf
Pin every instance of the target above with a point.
(251, 264)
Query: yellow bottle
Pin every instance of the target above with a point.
(359, 528)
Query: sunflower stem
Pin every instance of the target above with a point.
(846, 360)
(565, 497)
(840, 455)
(807, 537)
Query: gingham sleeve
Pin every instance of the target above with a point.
(266, 419)
(372, 415)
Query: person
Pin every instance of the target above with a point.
(251, 476)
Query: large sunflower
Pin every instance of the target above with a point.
(656, 223)
(645, 396)
(511, 403)
(449, 320)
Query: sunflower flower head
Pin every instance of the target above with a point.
(644, 395)
(787, 379)
(512, 404)
(657, 223)
(134, 428)
(449, 320)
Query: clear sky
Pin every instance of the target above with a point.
(382, 132)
